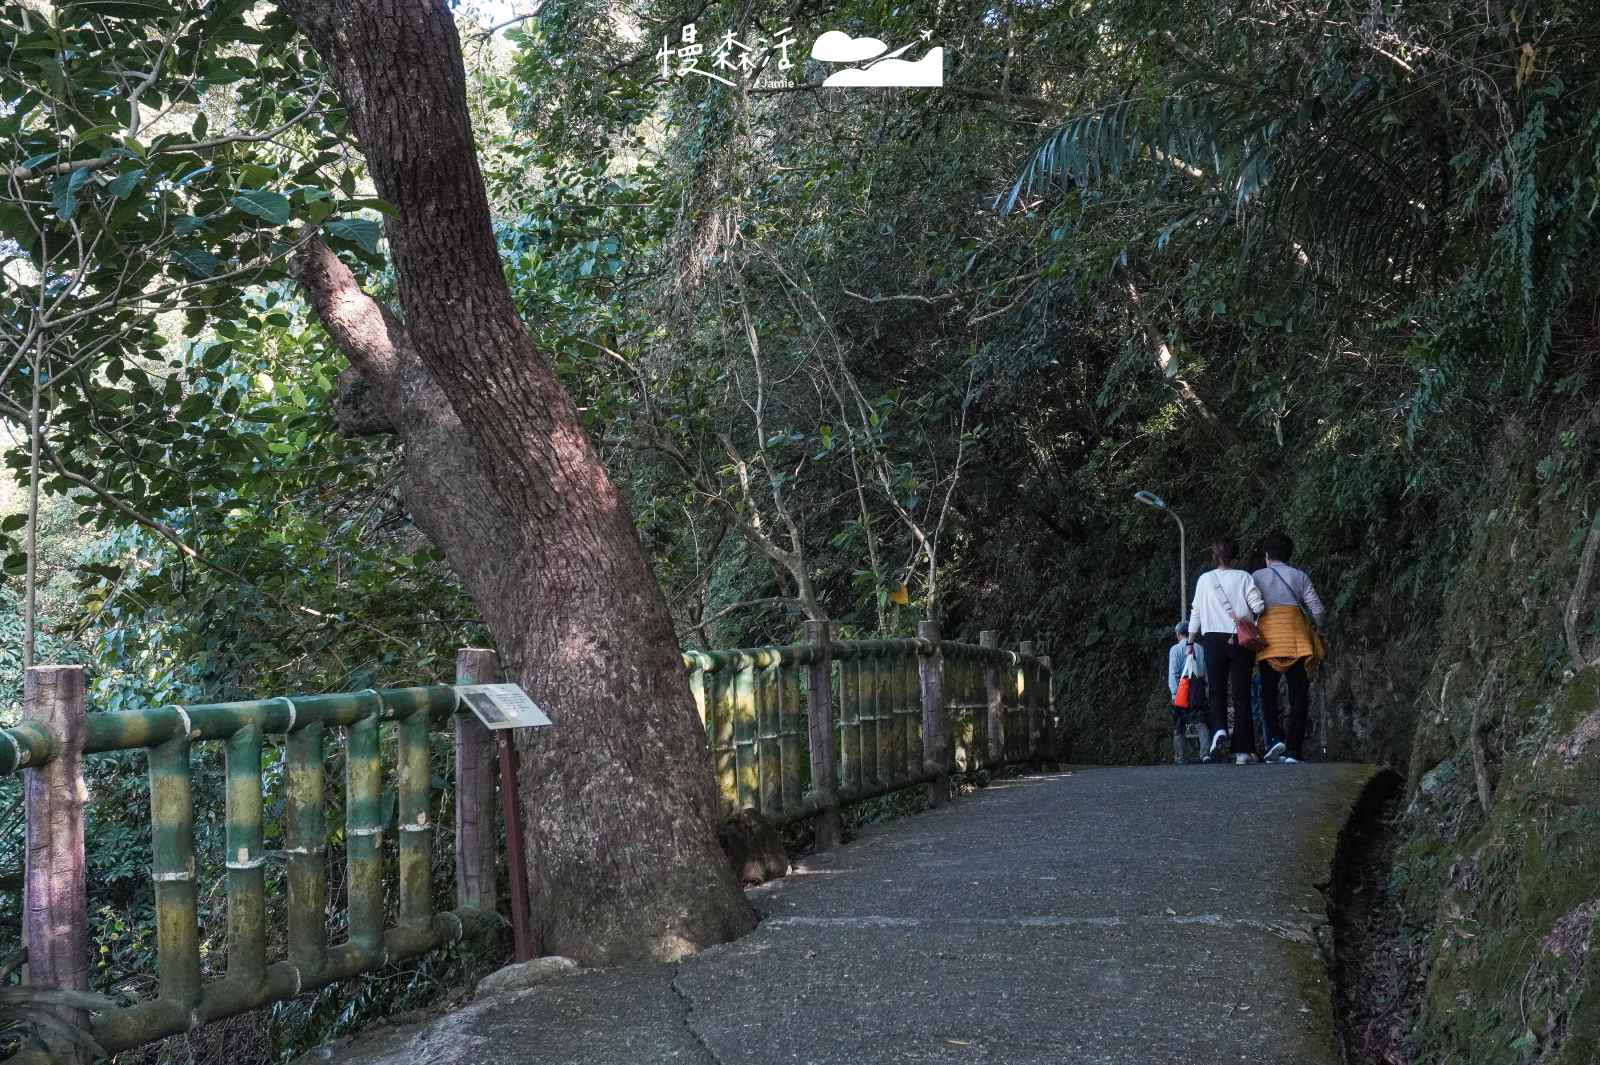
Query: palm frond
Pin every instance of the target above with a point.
(1097, 146)
(1356, 185)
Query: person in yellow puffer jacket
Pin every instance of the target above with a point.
(1290, 623)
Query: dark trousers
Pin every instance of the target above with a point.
(1228, 670)
(1299, 702)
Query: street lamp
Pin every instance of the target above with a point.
(1150, 499)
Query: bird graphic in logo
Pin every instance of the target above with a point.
(879, 69)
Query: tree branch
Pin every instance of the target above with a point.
(1028, 103)
(23, 173)
(1163, 357)
(490, 31)
(1038, 104)
(771, 600)
(368, 333)
(907, 297)
(168, 533)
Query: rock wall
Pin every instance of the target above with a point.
(1498, 864)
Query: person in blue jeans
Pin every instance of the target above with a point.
(1195, 715)
(1264, 728)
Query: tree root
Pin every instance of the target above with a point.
(1579, 593)
(1480, 759)
(1476, 734)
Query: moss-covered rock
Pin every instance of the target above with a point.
(1498, 867)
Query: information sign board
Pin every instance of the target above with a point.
(502, 706)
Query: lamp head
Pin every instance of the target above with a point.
(1150, 499)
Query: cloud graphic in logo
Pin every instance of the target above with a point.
(836, 47)
(927, 72)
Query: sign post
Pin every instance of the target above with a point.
(502, 708)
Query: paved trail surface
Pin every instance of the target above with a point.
(1148, 916)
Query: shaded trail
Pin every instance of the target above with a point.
(1147, 916)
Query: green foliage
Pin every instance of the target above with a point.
(1296, 271)
(139, 202)
(1290, 275)
(51, 648)
(163, 161)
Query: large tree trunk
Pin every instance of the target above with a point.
(620, 804)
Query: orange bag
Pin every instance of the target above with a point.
(1181, 698)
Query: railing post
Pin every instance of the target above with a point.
(935, 746)
(363, 805)
(1063, 736)
(516, 855)
(56, 903)
(246, 878)
(1047, 692)
(768, 687)
(306, 833)
(414, 789)
(791, 733)
(909, 693)
(746, 777)
(1028, 671)
(819, 723)
(475, 841)
(994, 716)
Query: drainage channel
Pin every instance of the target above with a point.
(1375, 998)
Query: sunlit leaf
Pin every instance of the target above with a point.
(264, 204)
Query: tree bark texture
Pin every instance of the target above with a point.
(619, 798)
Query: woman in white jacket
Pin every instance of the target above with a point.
(1221, 596)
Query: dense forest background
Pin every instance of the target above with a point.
(883, 355)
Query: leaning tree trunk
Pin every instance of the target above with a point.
(620, 804)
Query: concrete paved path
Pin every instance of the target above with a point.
(1144, 916)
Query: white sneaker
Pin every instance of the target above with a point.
(1218, 738)
(1244, 759)
(1278, 752)
(1289, 760)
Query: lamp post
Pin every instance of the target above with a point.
(1150, 499)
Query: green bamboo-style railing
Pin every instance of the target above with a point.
(308, 725)
(889, 714)
(793, 731)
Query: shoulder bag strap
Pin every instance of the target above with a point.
(1300, 602)
(1227, 604)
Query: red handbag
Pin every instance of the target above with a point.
(1245, 633)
